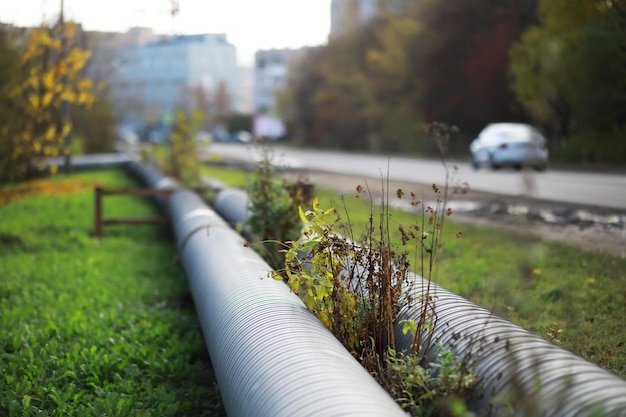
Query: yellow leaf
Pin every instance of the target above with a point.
(34, 101)
(324, 319)
(50, 133)
(66, 130)
(69, 96)
(41, 36)
(84, 98)
(316, 204)
(302, 215)
(48, 80)
(47, 99)
(53, 169)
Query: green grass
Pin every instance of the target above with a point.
(545, 287)
(94, 327)
(229, 176)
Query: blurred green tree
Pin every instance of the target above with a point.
(424, 60)
(569, 73)
(359, 92)
(462, 58)
(95, 126)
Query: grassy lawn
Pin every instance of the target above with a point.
(94, 327)
(575, 298)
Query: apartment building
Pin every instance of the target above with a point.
(348, 15)
(271, 74)
(271, 67)
(151, 80)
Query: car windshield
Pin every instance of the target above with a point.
(510, 134)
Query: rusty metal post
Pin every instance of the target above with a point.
(98, 212)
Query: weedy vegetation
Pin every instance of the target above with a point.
(178, 157)
(356, 285)
(273, 206)
(543, 286)
(94, 327)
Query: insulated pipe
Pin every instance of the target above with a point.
(232, 205)
(513, 367)
(97, 161)
(271, 356)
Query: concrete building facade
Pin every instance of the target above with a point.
(271, 72)
(347, 15)
(151, 80)
(271, 68)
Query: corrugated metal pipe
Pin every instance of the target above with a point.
(271, 356)
(514, 369)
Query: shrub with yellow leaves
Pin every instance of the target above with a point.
(52, 66)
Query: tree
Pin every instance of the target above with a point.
(183, 162)
(51, 79)
(569, 73)
(340, 98)
(418, 61)
(359, 92)
(95, 126)
(392, 91)
(462, 60)
(304, 80)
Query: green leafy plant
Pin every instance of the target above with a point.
(273, 211)
(357, 285)
(183, 162)
(356, 289)
(314, 265)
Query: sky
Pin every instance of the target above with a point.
(249, 24)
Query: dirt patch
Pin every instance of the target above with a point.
(43, 187)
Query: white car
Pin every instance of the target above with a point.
(515, 145)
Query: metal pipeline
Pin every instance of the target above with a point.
(91, 161)
(513, 367)
(271, 356)
(232, 205)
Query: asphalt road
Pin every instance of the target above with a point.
(594, 189)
